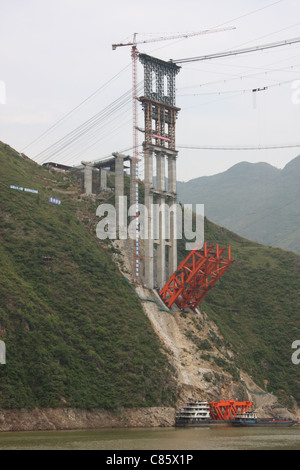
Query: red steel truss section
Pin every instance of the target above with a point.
(227, 410)
(195, 276)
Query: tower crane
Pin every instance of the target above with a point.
(135, 54)
(135, 160)
(168, 38)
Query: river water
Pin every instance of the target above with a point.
(222, 438)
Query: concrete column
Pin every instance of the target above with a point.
(103, 179)
(171, 174)
(88, 178)
(161, 200)
(119, 196)
(173, 262)
(149, 247)
(160, 172)
(132, 183)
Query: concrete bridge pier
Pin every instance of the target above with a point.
(102, 179)
(88, 178)
(120, 205)
(148, 242)
(172, 249)
(161, 220)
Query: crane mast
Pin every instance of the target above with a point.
(135, 160)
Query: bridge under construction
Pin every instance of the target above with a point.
(154, 259)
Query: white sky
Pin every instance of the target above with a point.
(56, 53)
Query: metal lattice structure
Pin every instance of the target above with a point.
(158, 74)
(227, 410)
(195, 276)
(158, 102)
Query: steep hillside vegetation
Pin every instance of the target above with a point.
(256, 201)
(75, 333)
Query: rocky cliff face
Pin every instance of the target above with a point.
(195, 348)
(189, 340)
(205, 367)
(70, 419)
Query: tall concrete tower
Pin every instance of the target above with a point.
(160, 113)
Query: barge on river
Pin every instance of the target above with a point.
(250, 419)
(225, 413)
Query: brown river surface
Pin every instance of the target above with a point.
(155, 439)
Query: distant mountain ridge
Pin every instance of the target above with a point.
(255, 200)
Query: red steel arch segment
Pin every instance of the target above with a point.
(195, 276)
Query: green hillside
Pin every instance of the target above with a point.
(257, 201)
(75, 332)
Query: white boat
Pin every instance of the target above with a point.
(193, 413)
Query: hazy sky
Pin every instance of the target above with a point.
(59, 71)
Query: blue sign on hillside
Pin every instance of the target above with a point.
(53, 200)
(20, 188)
(28, 190)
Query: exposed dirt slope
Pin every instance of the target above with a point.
(195, 347)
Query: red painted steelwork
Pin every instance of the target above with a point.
(195, 276)
(161, 137)
(227, 410)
